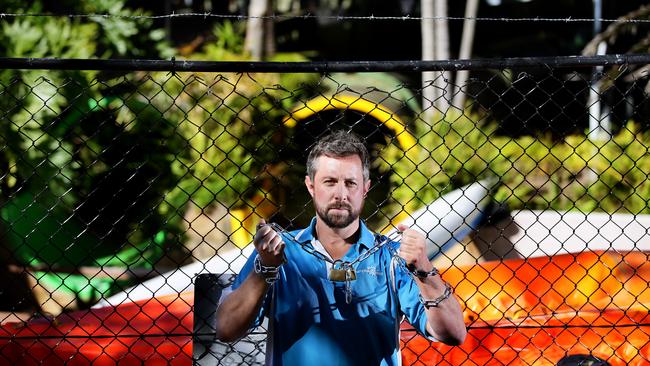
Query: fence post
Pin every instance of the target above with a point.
(207, 291)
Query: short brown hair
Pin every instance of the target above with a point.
(339, 144)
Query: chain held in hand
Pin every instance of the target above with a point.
(435, 302)
(270, 274)
(422, 274)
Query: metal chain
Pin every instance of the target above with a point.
(280, 230)
(348, 265)
(345, 266)
(342, 264)
(376, 248)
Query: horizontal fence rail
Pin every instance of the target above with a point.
(130, 191)
(320, 66)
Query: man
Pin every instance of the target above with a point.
(334, 292)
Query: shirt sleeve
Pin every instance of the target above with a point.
(241, 277)
(408, 294)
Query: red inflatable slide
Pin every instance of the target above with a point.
(540, 311)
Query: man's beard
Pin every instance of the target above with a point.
(337, 221)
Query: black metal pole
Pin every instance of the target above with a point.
(319, 66)
(207, 291)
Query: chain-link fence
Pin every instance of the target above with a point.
(119, 188)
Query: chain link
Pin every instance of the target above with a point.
(112, 182)
(337, 263)
(347, 267)
(310, 250)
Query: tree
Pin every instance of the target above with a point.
(42, 111)
(627, 35)
(471, 10)
(435, 46)
(260, 42)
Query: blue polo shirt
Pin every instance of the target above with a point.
(310, 322)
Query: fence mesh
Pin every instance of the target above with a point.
(119, 189)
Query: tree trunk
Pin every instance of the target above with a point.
(269, 34)
(441, 33)
(467, 40)
(429, 92)
(259, 42)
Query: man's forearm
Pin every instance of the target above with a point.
(445, 321)
(239, 309)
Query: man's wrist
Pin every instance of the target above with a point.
(435, 302)
(421, 274)
(270, 274)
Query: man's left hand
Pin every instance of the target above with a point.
(413, 249)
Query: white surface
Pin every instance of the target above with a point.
(229, 260)
(541, 233)
(447, 220)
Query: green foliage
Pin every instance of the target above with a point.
(54, 37)
(443, 157)
(121, 150)
(67, 37)
(33, 97)
(46, 130)
(536, 172)
(229, 40)
(147, 142)
(126, 37)
(229, 122)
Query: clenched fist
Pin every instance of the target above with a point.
(269, 245)
(413, 249)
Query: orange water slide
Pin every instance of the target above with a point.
(519, 312)
(543, 310)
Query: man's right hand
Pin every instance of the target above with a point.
(269, 245)
(240, 308)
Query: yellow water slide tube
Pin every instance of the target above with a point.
(244, 220)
